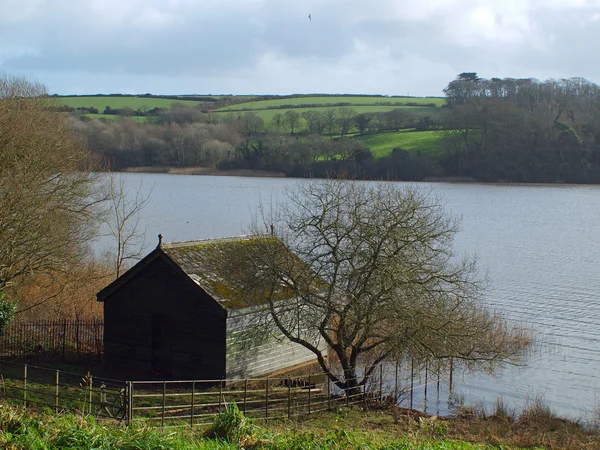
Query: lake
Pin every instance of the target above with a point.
(540, 245)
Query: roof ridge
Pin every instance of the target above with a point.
(177, 244)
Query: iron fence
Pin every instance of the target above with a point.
(52, 339)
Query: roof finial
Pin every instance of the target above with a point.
(159, 240)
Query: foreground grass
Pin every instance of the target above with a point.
(348, 428)
(381, 144)
(21, 429)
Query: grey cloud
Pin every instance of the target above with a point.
(223, 43)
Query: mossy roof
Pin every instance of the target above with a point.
(229, 269)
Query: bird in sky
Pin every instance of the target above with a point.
(309, 17)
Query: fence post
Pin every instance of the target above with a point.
(245, 393)
(451, 370)
(25, 385)
(289, 405)
(91, 392)
(328, 394)
(426, 380)
(164, 401)
(365, 381)
(192, 411)
(220, 393)
(412, 380)
(396, 385)
(130, 403)
(267, 401)
(380, 382)
(309, 394)
(56, 391)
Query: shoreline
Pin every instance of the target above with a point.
(204, 171)
(209, 171)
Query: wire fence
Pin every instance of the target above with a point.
(194, 403)
(53, 339)
(47, 389)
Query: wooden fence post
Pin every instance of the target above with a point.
(365, 393)
(245, 393)
(267, 401)
(220, 393)
(396, 385)
(56, 391)
(164, 402)
(451, 370)
(25, 385)
(289, 401)
(91, 392)
(192, 411)
(309, 394)
(426, 381)
(380, 382)
(412, 380)
(129, 402)
(328, 394)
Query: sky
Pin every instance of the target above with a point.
(390, 47)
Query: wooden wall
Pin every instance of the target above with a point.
(160, 325)
(246, 359)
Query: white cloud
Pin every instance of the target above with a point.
(242, 46)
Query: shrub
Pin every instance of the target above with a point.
(230, 425)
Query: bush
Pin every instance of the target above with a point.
(230, 425)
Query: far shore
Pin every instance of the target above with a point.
(211, 171)
(204, 171)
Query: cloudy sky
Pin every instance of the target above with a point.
(271, 47)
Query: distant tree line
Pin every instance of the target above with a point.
(523, 129)
(502, 129)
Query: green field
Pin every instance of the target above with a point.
(268, 114)
(115, 118)
(333, 100)
(120, 102)
(427, 142)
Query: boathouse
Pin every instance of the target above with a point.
(184, 312)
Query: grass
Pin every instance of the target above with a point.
(333, 100)
(120, 102)
(347, 429)
(268, 114)
(381, 144)
(115, 118)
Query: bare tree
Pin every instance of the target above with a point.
(123, 221)
(373, 274)
(49, 195)
(47, 185)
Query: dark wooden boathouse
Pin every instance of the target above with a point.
(176, 314)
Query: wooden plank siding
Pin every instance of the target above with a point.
(179, 314)
(271, 354)
(193, 325)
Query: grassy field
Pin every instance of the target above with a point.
(120, 102)
(333, 100)
(268, 114)
(21, 430)
(345, 428)
(115, 118)
(381, 144)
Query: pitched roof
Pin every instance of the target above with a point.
(234, 271)
(230, 269)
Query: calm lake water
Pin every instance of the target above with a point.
(539, 244)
